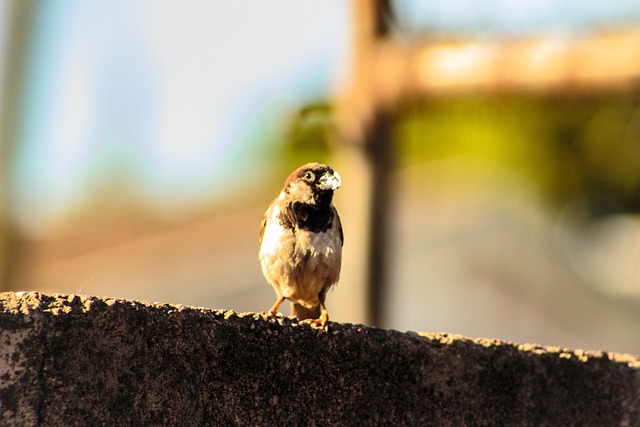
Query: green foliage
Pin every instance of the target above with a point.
(569, 148)
(310, 135)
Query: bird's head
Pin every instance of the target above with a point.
(312, 183)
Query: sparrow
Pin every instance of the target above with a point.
(301, 242)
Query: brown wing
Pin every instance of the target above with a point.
(263, 223)
(335, 213)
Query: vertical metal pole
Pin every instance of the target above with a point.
(379, 148)
(379, 152)
(368, 127)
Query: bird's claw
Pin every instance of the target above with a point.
(318, 324)
(270, 313)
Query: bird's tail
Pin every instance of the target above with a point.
(302, 313)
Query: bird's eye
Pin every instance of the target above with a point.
(308, 175)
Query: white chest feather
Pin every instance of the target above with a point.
(300, 264)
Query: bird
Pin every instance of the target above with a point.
(301, 241)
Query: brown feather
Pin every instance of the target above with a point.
(263, 222)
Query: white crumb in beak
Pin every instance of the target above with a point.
(337, 180)
(331, 181)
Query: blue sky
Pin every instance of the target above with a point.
(515, 17)
(167, 92)
(165, 88)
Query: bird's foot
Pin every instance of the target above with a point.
(321, 323)
(270, 313)
(273, 311)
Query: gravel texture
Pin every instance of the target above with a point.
(74, 360)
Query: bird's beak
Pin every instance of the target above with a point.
(330, 181)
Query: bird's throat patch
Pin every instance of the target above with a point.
(307, 217)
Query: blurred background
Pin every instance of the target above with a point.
(490, 156)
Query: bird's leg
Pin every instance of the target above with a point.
(274, 309)
(323, 320)
(324, 317)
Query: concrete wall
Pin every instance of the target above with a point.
(71, 360)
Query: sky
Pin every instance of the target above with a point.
(165, 98)
(163, 92)
(514, 17)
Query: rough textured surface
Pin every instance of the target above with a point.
(72, 360)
